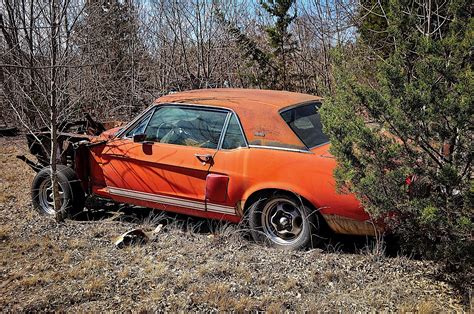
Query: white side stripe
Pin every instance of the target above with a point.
(157, 198)
(173, 201)
(220, 209)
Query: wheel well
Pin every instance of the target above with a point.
(261, 194)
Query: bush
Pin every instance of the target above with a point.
(401, 126)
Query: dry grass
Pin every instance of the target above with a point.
(75, 267)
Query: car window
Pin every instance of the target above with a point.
(140, 126)
(186, 126)
(233, 137)
(305, 121)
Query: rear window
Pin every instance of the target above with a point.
(306, 123)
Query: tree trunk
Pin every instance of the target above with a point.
(53, 107)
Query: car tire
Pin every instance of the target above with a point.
(282, 221)
(71, 191)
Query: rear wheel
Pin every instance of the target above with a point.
(282, 221)
(71, 194)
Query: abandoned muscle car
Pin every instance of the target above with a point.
(222, 154)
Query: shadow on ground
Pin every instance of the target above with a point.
(100, 209)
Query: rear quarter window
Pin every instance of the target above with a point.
(305, 121)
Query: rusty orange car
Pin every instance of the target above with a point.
(226, 154)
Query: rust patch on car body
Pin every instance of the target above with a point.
(350, 226)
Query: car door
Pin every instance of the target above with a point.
(170, 164)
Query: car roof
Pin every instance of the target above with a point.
(235, 98)
(257, 109)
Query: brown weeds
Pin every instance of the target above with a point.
(45, 266)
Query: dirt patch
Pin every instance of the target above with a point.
(190, 265)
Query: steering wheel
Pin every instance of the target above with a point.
(163, 125)
(177, 135)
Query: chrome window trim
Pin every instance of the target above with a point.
(158, 106)
(295, 150)
(189, 105)
(224, 130)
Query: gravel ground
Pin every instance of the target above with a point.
(190, 264)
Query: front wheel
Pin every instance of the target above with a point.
(72, 196)
(282, 221)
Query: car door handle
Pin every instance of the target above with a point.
(204, 158)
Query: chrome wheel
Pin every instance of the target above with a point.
(71, 193)
(283, 221)
(45, 196)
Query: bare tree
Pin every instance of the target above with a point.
(35, 69)
(53, 104)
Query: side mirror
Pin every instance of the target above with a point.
(139, 138)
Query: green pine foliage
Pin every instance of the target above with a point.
(250, 51)
(280, 40)
(273, 59)
(406, 111)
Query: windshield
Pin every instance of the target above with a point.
(306, 123)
